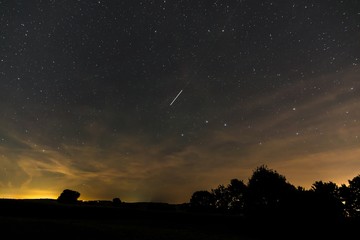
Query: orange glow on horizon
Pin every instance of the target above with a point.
(30, 194)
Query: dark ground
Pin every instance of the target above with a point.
(48, 219)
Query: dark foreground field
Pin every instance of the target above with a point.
(48, 219)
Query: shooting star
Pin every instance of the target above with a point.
(176, 97)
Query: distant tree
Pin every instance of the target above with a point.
(350, 195)
(116, 201)
(267, 193)
(68, 196)
(202, 200)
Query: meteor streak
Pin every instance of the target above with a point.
(176, 97)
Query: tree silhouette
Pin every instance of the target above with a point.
(269, 198)
(230, 197)
(68, 196)
(221, 197)
(116, 201)
(267, 192)
(237, 190)
(202, 200)
(350, 195)
(326, 200)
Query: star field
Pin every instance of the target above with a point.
(153, 100)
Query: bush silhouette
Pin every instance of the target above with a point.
(116, 201)
(68, 196)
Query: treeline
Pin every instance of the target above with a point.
(268, 195)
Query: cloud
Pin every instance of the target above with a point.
(313, 138)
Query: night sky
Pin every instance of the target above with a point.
(153, 100)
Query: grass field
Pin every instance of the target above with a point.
(47, 219)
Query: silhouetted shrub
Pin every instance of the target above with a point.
(68, 196)
(116, 201)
